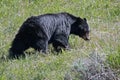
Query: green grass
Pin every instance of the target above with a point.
(103, 18)
(114, 59)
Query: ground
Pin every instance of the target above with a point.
(103, 18)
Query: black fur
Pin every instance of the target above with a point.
(38, 31)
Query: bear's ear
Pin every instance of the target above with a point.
(85, 19)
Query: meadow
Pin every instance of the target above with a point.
(103, 18)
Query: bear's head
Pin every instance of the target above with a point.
(80, 27)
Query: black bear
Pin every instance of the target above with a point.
(39, 31)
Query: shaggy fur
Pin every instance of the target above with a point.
(38, 31)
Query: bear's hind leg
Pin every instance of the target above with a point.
(17, 49)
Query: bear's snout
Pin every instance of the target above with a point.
(86, 37)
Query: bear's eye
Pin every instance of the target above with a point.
(81, 27)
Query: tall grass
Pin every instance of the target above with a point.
(103, 18)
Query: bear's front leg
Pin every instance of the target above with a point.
(60, 42)
(41, 45)
(58, 46)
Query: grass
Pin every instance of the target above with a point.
(103, 18)
(114, 59)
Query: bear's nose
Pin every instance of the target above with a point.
(86, 37)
